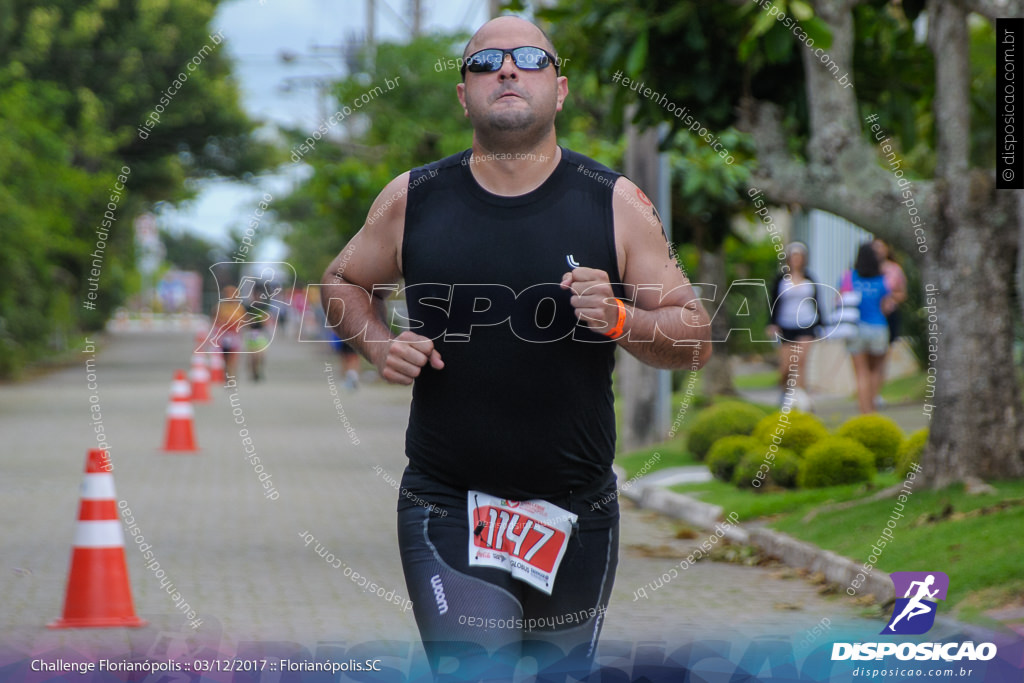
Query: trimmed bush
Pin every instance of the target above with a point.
(836, 460)
(910, 451)
(783, 467)
(729, 418)
(798, 430)
(787, 468)
(879, 434)
(727, 452)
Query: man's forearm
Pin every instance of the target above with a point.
(669, 337)
(357, 317)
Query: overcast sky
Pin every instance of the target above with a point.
(257, 33)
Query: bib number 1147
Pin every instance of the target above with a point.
(526, 538)
(502, 526)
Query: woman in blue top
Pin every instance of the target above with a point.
(868, 347)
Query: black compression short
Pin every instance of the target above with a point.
(483, 613)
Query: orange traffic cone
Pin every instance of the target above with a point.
(214, 358)
(217, 368)
(180, 436)
(200, 377)
(98, 590)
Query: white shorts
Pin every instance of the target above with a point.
(872, 339)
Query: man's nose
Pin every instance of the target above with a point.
(508, 68)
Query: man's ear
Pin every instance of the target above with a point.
(562, 88)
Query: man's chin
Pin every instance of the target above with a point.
(512, 130)
(511, 122)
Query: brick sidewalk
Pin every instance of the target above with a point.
(237, 557)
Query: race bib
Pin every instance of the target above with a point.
(525, 538)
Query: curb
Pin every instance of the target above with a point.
(836, 568)
(793, 552)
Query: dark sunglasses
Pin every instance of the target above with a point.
(527, 58)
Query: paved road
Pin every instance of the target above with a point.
(238, 558)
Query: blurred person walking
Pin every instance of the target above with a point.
(226, 324)
(297, 312)
(348, 354)
(896, 281)
(869, 345)
(257, 331)
(795, 322)
(349, 361)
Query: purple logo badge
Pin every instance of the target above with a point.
(914, 612)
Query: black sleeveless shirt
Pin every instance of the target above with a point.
(523, 407)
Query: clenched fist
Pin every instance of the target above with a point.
(405, 356)
(593, 298)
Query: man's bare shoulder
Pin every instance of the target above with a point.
(634, 211)
(638, 227)
(388, 208)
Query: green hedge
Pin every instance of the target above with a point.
(910, 451)
(879, 434)
(783, 468)
(727, 452)
(729, 418)
(836, 460)
(794, 430)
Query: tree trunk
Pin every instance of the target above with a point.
(1020, 251)
(977, 427)
(971, 234)
(645, 413)
(717, 372)
(642, 424)
(976, 421)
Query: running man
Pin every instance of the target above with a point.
(226, 325)
(525, 265)
(915, 606)
(259, 324)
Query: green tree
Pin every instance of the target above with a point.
(77, 81)
(412, 124)
(738, 64)
(42, 200)
(707, 195)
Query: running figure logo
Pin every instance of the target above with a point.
(914, 613)
(251, 309)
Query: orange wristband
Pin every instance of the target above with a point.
(617, 330)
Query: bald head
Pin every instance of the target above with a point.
(511, 107)
(508, 29)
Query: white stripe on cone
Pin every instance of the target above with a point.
(98, 486)
(180, 410)
(181, 389)
(99, 534)
(199, 371)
